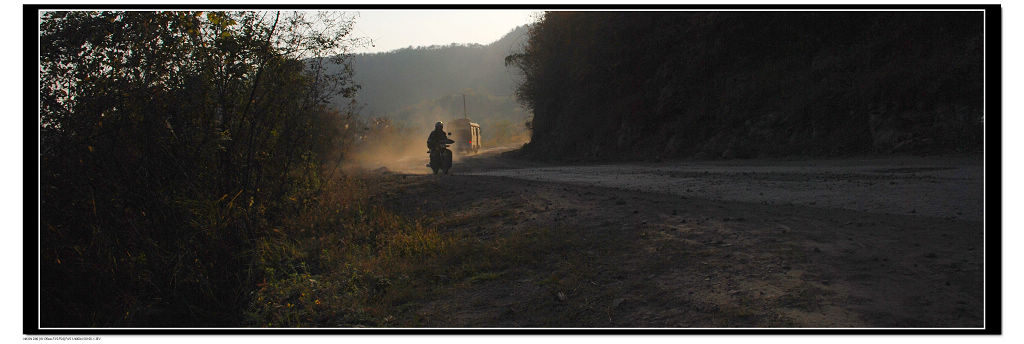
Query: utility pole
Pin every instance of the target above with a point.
(464, 115)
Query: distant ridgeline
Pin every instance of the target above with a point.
(629, 85)
(418, 86)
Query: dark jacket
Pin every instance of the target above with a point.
(437, 138)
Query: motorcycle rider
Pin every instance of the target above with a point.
(436, 141)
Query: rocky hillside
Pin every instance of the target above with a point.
(633, 85)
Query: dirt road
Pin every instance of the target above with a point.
(879, 242)
(949, 187)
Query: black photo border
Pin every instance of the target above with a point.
(992, 175)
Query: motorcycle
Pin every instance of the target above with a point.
(441, 156)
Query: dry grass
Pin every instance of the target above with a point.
(342, 263)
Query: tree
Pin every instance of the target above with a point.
(632, 85)
(172, 142)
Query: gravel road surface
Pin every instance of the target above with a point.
(951, 187)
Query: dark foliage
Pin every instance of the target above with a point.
(173, 142)
(627, 85)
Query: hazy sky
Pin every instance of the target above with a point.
(396, 29)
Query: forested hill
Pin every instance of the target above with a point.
(632, 85)
(392, 80)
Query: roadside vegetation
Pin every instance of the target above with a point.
(175, 146)
(362, 265)
(645, 85)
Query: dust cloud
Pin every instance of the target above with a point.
(401, 147)
(397, 148)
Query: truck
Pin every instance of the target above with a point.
(466, 135)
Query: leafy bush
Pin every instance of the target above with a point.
(173, 145)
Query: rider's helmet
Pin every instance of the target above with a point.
(438, 125)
